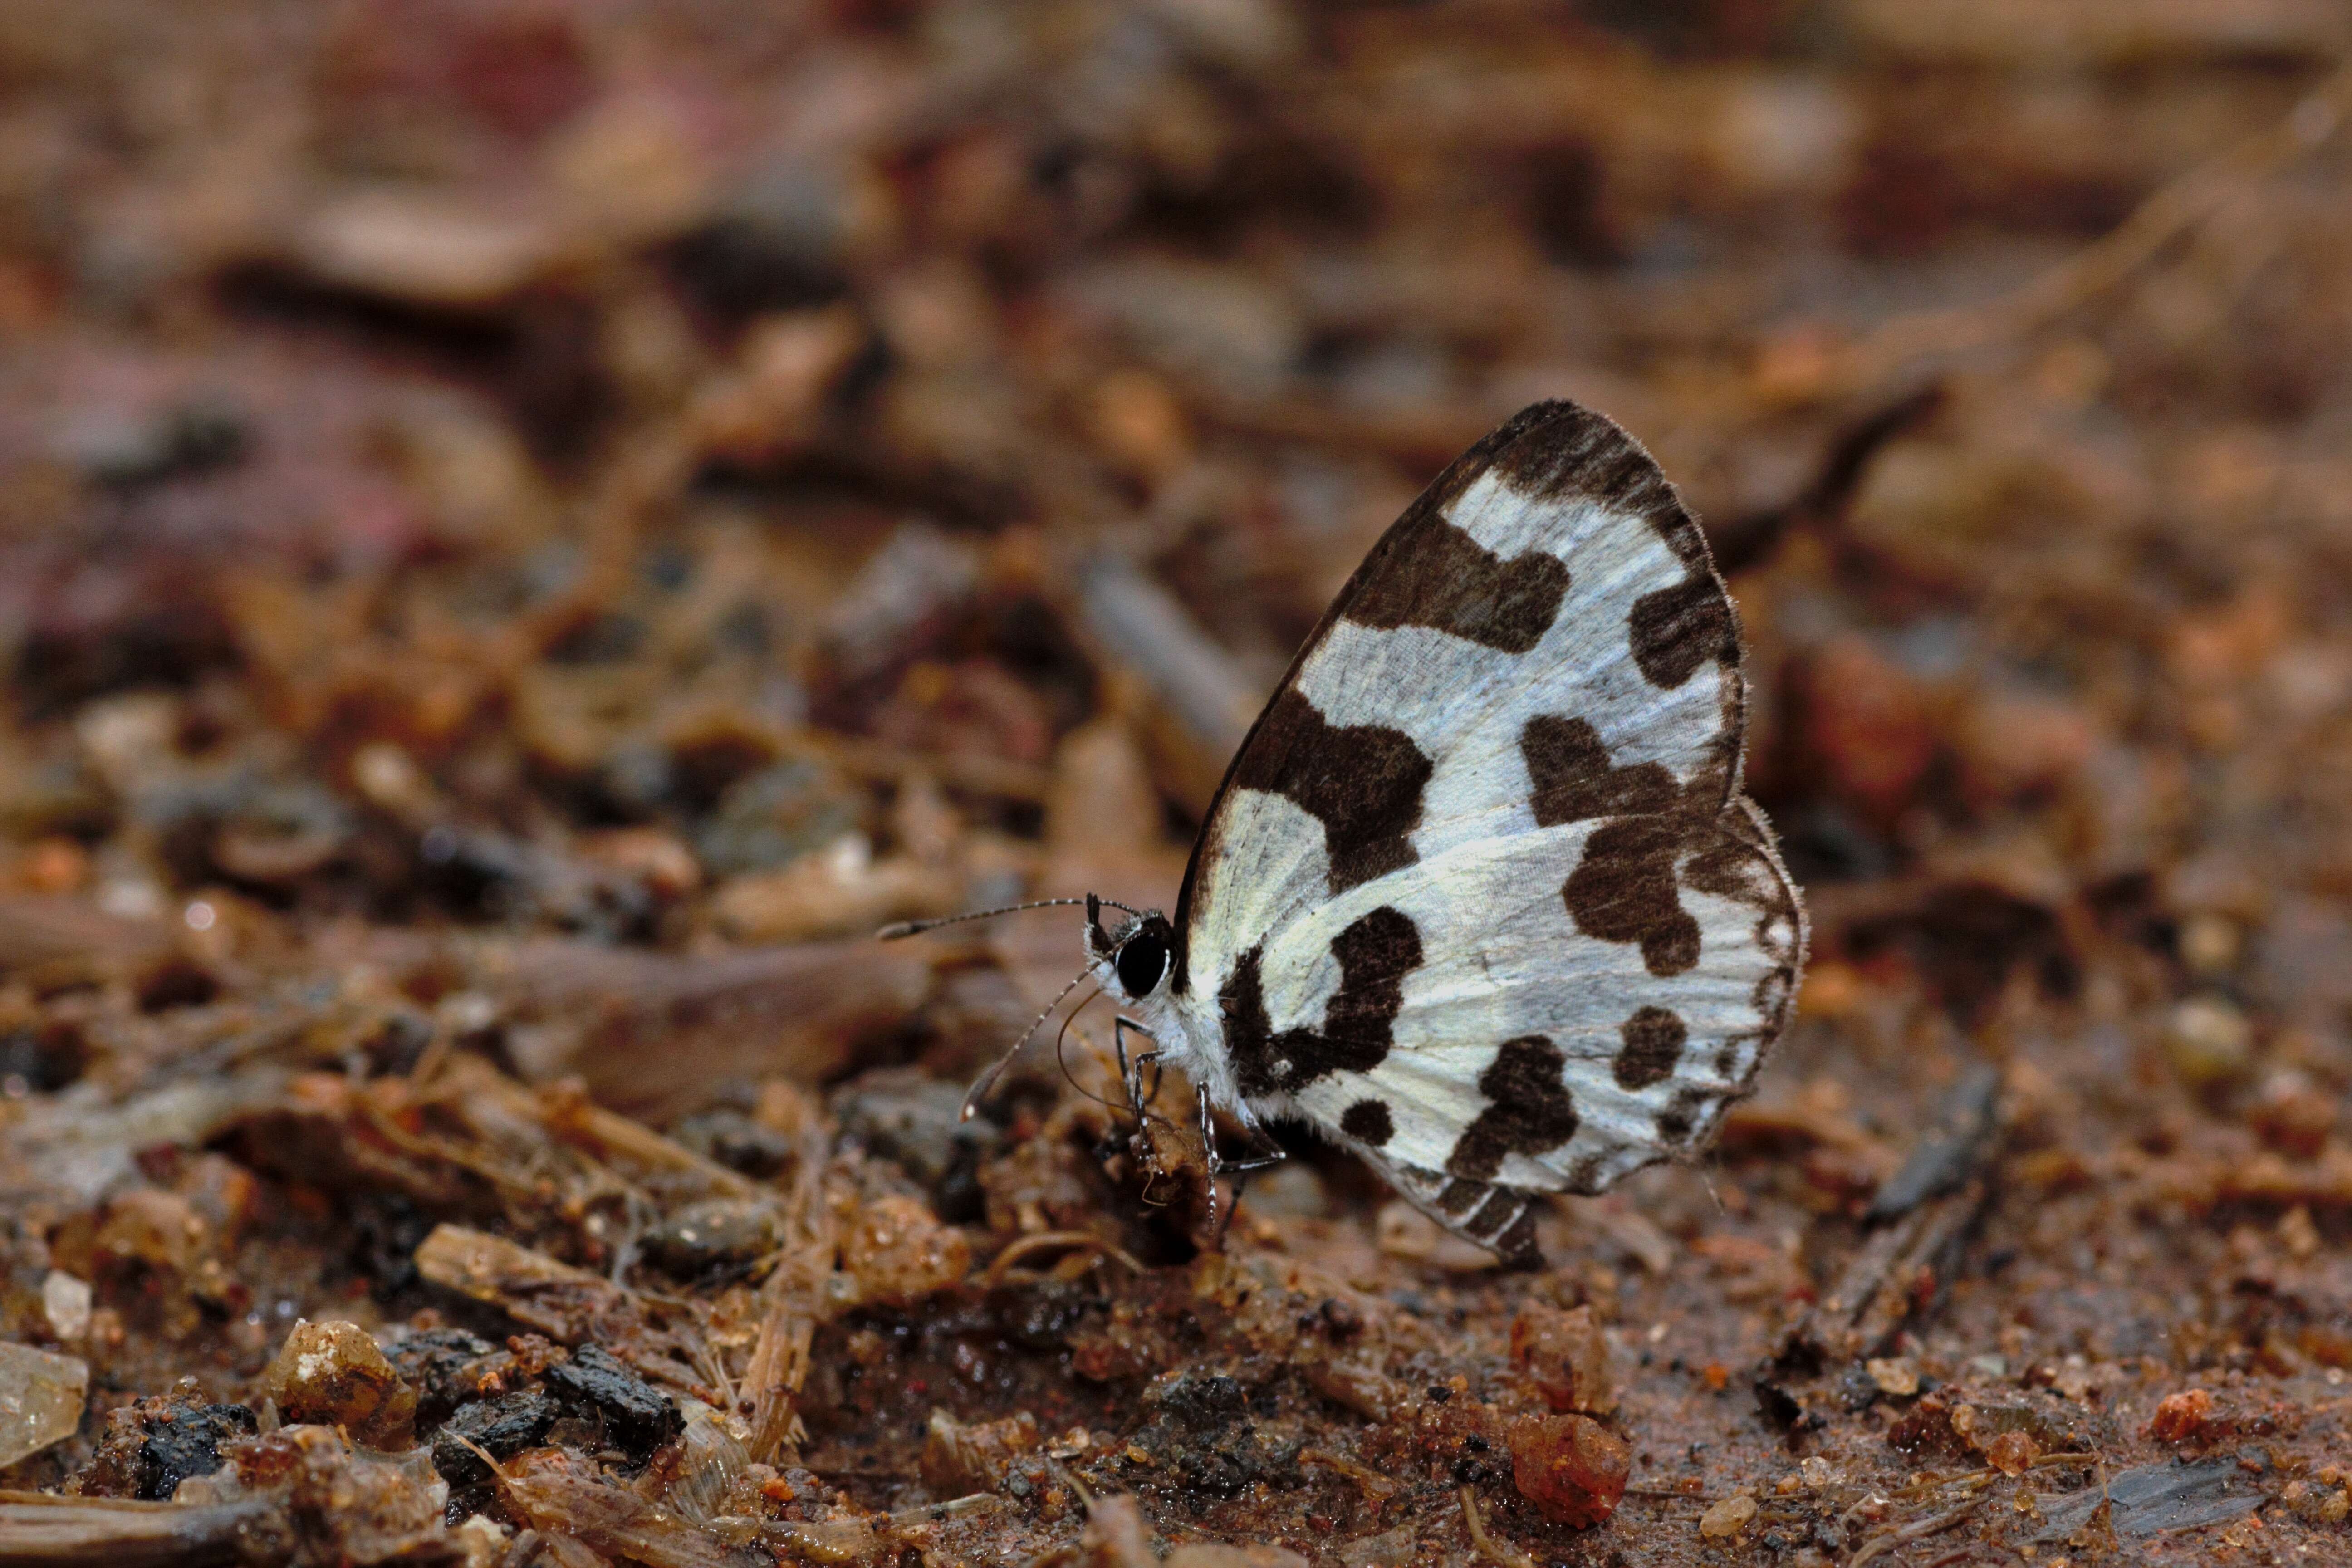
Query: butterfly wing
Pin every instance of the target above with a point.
(1479, 895)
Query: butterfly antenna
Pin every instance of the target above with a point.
(987, 1080)
(898, 928)
(1061, 1038)
(1142, 1113)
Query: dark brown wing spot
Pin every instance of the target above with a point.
(1363, 783)
(1573, 781)
(1368, 1122)
(1735, 870)
(1558, 451)
(1459, 1196)
(1623, 890)
(1676, 629)
(1654, 1047)
(1494, 1216)
(1681, 1115)
(1528, 1109)
(1501, 1205)
(1375, 953)
(1517, 1245)
(1437, 575)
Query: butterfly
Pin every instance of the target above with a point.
(1480, 900)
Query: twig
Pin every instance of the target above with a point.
(972, 774)
(1050, 1240)
(1888, 1541)
(90, 1533)
(498, 1472)
(1874, 1294)
(1500, 1553)
(1371, 1482)
(1922, 1487)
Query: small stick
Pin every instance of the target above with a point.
(1049, 1240)
(1500, 1553)
(1888, 1541)
(498, 1472)
(1371, 1482)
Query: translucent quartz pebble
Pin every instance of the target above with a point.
(66, 1301)
(40, 1399)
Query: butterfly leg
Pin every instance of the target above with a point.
(1265, 1152)
(1130, 1073)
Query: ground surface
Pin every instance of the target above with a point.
(527, 532)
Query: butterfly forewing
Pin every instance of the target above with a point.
(1479, 896)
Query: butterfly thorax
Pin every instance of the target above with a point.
(1134, 963)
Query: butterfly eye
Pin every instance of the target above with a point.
(1141, 963)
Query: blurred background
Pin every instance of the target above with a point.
(527, 528)
(630, 451)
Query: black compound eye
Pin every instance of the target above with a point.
(1142, 962)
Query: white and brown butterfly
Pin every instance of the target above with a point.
(1479, 898)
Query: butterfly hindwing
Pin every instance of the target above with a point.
(1524, 1050)
(1480, 896)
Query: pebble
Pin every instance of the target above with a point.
(737, 1141)
(1292, 1190)
(1895, 1375)
(2210, 945)
(1566, 1356)
(709, 1235)
(128, 450)
(774, 818)
(335, 1374)
(903, 1116)
(1571, 1466)
(422, 249)
(41, 1396)
(786, 236)
(2207, 1041)
(2012, 1453)
(2180, 1416)
(66, 1302)
(1728, 1517)
(897, 1251)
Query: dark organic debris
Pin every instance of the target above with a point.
(151, 1446)
(1947, 1151)
(638, 1418)
(500, 1428)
